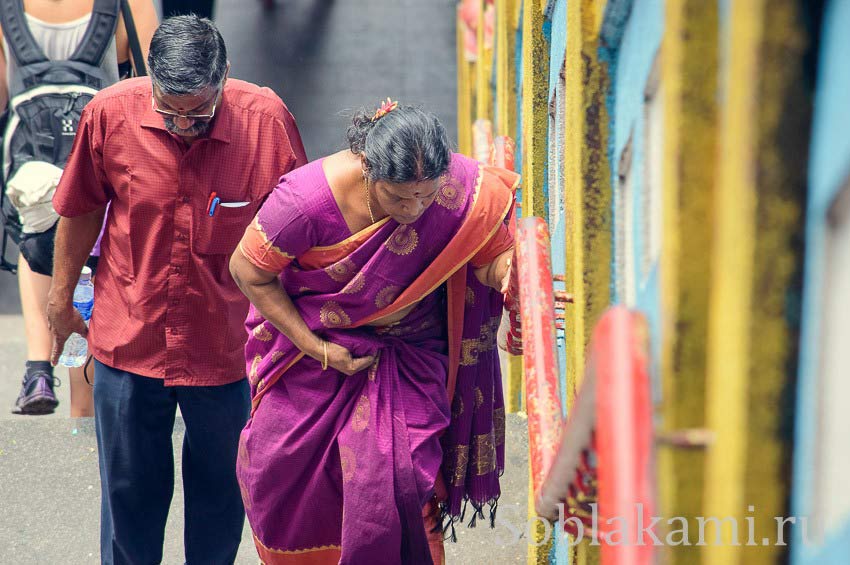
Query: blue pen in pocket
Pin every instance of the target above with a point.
(215, 202)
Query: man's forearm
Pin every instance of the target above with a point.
(75, 238)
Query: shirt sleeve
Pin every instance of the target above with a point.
(294, 137)
(84, 187)
(279, 233)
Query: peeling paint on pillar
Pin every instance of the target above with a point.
(752, 333)
(587, 193)
(535, 107)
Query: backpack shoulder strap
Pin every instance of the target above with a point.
(21, 42)
(101, 29)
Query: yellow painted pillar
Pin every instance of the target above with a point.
(587, 194)
(535, 108)
(688, 87)
(464, 92)
(587, 187)
(756, 267)
(484, 70)
(505, 69)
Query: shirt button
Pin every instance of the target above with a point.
(176, 268)
(180, 236)
(175, 301)
(185, 199)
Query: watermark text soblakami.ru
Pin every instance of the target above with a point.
(641, 529)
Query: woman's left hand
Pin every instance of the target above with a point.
(343, 361)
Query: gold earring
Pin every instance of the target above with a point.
(368, 198)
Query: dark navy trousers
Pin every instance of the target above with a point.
(134, 420)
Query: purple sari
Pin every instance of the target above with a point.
(335, 468)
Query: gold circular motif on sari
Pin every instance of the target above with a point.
(403, 240)
(451, 194)
(276, 355)
(333, 316)
(341, 271)
(355, 285)
(348, 462)
(360, 419)
(386, 296)
(262, 333)
(252, 374)
(479, 398)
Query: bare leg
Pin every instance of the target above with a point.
(33, 288)
(36, 396)
(82, 403)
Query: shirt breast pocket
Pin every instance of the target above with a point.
(220, 233)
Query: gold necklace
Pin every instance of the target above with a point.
(368, 199)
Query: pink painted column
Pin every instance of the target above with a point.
(537, 308)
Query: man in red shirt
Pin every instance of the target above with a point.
(185, 158)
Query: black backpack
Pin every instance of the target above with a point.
(44, 111)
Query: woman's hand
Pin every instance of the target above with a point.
(341, 359)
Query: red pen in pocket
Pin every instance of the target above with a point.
(210, 209)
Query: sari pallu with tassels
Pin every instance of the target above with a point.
(338, 469)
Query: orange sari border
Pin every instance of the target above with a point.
(323, 256)
(322, 555)
(266, 384)
(256, 247)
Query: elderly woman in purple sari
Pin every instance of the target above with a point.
(375, 277)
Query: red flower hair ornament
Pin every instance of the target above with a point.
(386, 108)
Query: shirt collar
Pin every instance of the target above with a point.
(220, 130)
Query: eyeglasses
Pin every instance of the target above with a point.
(175, 115)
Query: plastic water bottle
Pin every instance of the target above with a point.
(76, 348)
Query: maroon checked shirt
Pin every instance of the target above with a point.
(165, 303)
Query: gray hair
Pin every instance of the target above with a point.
(187, 55)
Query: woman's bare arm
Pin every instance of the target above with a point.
(145, 19)
(496, 273)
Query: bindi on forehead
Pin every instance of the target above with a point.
(422, 189)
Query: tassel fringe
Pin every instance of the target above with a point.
(446, 521)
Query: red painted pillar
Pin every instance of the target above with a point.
(624, 435)
(537, 308)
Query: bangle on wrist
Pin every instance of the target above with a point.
(325, 352)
